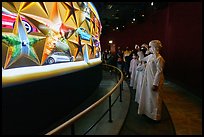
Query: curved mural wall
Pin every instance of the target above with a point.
(51, 63)
(46, 39)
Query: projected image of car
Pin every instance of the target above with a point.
(83, 34)
(58, 57)
(9, 18)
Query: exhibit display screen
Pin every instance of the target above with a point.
(46, 39)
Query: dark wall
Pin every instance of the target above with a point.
(179, 27)
(151, 28)
(184, 45)
(34, 107)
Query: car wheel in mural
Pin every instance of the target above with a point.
(50, 60)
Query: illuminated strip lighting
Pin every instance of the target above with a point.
(15, 76)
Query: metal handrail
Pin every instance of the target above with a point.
(102, 117)
(78, 116)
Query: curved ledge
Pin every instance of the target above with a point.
(21, 75)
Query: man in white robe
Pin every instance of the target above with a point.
(139, 76)
(133, 65)
(150, 102)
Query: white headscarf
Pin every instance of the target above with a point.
(140, 54)
(155, 46)
(145, 46)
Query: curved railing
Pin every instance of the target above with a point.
(70, 122)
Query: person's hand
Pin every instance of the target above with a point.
(154, 88)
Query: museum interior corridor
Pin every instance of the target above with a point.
(62, 67)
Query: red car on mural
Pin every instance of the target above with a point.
(9, 18)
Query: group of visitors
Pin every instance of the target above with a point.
(144, 66)
(148, 81)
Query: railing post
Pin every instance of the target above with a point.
(120, 92)
(122, 85)
(110, 113)
(118, 78)
(72, 129)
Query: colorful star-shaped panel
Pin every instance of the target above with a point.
(25, 24)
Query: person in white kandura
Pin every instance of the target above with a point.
(133, 65)
(139, 75)
(150, 102)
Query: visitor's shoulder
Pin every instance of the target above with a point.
(160, 58)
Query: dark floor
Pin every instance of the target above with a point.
(142, 125)
(184, 110)
(182, 113)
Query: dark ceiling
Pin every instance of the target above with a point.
(120, 14)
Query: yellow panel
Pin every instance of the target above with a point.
(17, 5)
(49, 7)
(9, 6)
(85, 41)
(63, 12)
(91, 54)
(15, 29)
(88, 24)
(44, 7)
(71, 22)
(48, 48)
(68, 3)
(73, 38)
(35, 9)
(80, 17)
(39, 49)
(75, 5)
(55, 14)
(84, 24)
(73, 48)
